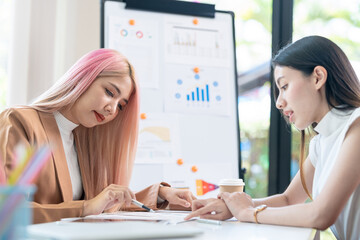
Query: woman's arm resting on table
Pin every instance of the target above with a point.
(324, 210)
(217, 209)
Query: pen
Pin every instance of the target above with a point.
(139, 204)
(210, 221)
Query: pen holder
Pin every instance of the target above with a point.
(15, 213)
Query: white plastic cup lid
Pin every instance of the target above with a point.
(232, 182)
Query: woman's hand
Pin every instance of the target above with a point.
(175, 196)
(211, 208)
(239, 204)
(109, 197)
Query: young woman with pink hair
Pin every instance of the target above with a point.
(90, 119)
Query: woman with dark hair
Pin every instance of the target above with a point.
(315, 86)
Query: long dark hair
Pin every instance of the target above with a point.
(342, 87)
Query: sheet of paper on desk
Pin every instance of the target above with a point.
(171, 217)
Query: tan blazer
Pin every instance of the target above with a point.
(53, 199)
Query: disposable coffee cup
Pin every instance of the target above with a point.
(231, 185)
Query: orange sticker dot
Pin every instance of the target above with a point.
(194, 168)
(143, 116)
(196, 70)
(180, 161)
(195, 21)
(132, 22)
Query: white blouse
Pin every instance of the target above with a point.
(323, 153)
(66, 127)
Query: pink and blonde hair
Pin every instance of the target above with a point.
(107, 152)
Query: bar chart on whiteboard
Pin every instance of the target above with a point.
(196, 89)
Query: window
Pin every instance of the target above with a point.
(254, 113)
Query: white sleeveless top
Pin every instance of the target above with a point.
(323, 152)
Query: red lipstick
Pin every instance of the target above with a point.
(99, 117)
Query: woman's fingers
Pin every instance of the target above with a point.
(119, 195)
(197, 204)
(188, 196)
(210, 209)
(188, 199)
(112, 195)
(202, 211)
(183, 203)
(193, 197)
(177, 196)
(127, 198)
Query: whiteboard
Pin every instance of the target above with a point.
(189, 130)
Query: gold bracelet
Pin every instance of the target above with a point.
(257, 210)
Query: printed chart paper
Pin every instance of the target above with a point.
(139, 43)
(158, 139)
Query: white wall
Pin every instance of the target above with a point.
(48, 37)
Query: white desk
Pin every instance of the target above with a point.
(171, 224)
(225, 231)
(252, 231)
